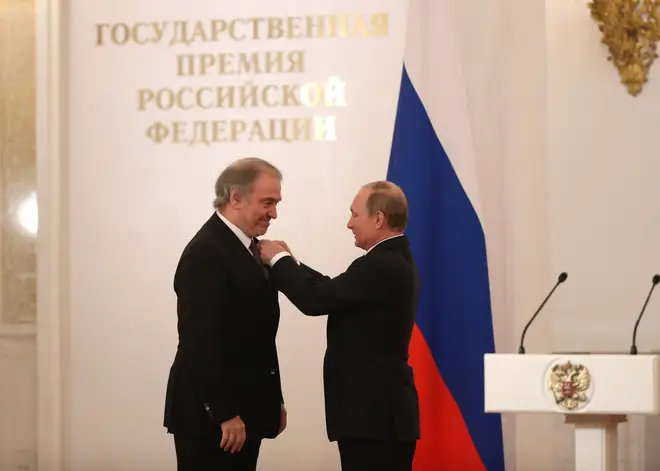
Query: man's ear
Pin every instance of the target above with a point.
(380, 219)
(235, 198)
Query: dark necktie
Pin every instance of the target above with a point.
(254, 248)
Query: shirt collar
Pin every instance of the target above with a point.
(388, 238)
(245, 240)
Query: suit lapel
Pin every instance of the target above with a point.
(235, 247)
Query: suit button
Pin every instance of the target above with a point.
(272, 371)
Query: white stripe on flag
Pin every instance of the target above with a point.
(434, 65)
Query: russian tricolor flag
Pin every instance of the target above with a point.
(433, 160)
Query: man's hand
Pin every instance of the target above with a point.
(268, 249)
(284, 245)
(282, 419)
(233, 435)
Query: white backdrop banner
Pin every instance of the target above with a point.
(163, 95)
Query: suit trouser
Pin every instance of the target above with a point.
(203, 453)
(376, 455)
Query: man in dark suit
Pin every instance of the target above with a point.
(224, 393)
(371, 401)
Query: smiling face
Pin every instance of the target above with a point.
(254, 210)
(365, 227)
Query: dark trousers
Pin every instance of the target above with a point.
(203, 453)
(376, 455)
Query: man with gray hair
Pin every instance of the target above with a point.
(224, 393)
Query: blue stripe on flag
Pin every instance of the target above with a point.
(446, 236)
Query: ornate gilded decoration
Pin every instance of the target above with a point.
(630, 30)
(569, 384)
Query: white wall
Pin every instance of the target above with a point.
(602, 173)
(527, 255)
(134, 204)
(565, 163)
(18, 388)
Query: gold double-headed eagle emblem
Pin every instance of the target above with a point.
(569, 384)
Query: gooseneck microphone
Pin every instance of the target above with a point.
(562, 277)
(654, 282)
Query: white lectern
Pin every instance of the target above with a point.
(595, 392)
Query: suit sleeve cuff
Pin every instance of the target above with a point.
(279, 256)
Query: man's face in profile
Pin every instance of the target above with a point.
(361, 223)
(260, 206)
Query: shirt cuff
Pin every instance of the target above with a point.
(280, 256)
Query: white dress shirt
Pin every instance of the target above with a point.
(245, 240)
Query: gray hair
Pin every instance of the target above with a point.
(240, 176)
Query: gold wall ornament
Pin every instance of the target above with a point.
(631, 29)
(569, 384)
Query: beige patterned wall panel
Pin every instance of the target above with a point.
(17, 162)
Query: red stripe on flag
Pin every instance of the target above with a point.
(445, 444)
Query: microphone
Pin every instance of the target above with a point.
(562, 277)
(633, 347)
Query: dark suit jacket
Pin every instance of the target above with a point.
(226, 360)
(369, 386)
